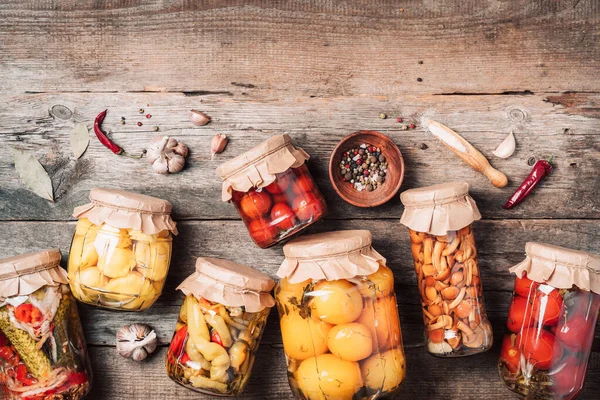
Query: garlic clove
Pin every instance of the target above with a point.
(161, 166)
(218, 144)
(507, 147)
(175, 162)
(139, 354)
(156, 148)
(198, 118)
(181, 149)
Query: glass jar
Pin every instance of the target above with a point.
(42, 347)
(339, 318)
(219, 328)
(272, 190)
(443, 247)
(551, 322)
(121, 250)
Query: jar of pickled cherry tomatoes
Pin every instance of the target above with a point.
(42, 348)
(219, 328)
(551, 322)
(272, 190)
(121, 249)
(339, 319)
(440, 220)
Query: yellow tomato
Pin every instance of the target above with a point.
(380, 283)
(327, 377)
(116, 263)
(384, 371)
(83, 226)
(381, 316)
(336, 302)
(93, 278)
(351, 342)
(286, 291)
(303, 337)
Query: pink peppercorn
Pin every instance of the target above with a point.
(412, 126)
(139, 124)
(399, 120)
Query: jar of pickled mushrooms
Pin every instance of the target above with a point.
(272, 190)
(219, 328)
(339, 319)
(551, 322)
(42, 347)
(439, 219)
(121, 249)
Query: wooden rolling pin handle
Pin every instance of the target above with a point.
(497, 178)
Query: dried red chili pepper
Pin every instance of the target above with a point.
(109, 144)
(540, 170)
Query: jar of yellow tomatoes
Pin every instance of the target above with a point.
(219, 328)
(121, 249)
(42, 347)
(439, 219)
(551, 322)
(272, 190)
(339, 319)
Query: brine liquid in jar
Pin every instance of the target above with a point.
(342, 338)
(214, 346)
(289, 204)
(448, 277)
(548, 340)
(118, 268)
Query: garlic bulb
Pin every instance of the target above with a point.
(166, 154)
(136, 341)
(507, 147)
(218, 144)
(198, 118)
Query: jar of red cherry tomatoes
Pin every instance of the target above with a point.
(272, 190)
(551, 322)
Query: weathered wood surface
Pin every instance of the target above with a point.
(568, 131)
(318, 71)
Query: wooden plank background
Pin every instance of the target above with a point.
(318, 71)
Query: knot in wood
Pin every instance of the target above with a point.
(516, 114)
(61, 112)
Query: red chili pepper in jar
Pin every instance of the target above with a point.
(109, 144)
(176, 345)
(215, 337)
(22, 376)
(540, 170)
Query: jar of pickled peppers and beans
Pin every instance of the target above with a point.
(272, 190)
(42, 348)
(339, 318)
(219, 328)
(551, 322)
(121, 249)
(440, 220)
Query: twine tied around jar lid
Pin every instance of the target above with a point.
(439, 209)
(256, 168)
(24, 274)
(231, 284)
(128, 210)
(560, 267)
(330, 256)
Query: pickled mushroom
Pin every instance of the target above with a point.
(327, 377)
(152, 259)
(92, 277)
(117, 263)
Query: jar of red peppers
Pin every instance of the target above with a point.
(440, 220)
(42, 348)
(339, 319)
(272, 190)
(219, 328)
(551, 322)
(121, 249)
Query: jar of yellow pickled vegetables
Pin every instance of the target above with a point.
(121, 249)
(551, 322)
(439, 219)
(339, 318)
(219, 328)
(42, 347)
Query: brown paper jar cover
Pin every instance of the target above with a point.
(127, 210)
(560, 267)
(229, 283)
(439, 209)
(330, 256)
(257, 167)
(24, 274)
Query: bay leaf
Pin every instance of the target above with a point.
(33, 174)
(80, 139)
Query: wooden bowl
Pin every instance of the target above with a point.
(393, 178)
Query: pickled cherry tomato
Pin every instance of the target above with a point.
(573, 331)
(255, 204)
(519, 314)
(262, 230)
(283, 216)
(570, 377)
(306, 207)
(304, 184)
(510, 355)
(537, 347)
(547, 307)
(280, 184)
(280, 198)
(523, 286)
